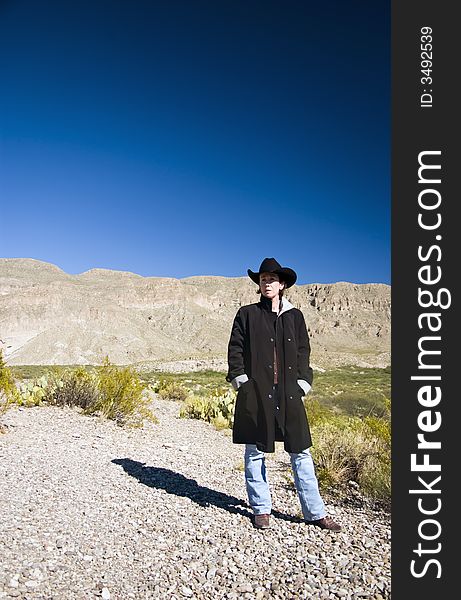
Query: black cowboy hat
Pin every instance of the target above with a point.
(270, 265)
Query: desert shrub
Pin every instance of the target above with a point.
(8, 389)
(113, 392)
(121, 396)
(316, 411)
(171, 390)
(381, 426)
(350, 448)
(217, 408)
(77, 387)
(350, 419)
(339, 453)
(376, 476)
(375, 480)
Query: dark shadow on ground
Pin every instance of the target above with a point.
(175, 483)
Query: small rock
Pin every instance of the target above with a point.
(105, 593)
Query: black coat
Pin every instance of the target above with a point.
(255, 331)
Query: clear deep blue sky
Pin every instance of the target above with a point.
(192, 137)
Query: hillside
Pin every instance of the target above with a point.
(50, 317)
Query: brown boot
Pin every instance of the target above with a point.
(326, 523)
(262, 521)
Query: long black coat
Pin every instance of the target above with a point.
(255, 331)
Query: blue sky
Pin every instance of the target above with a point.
(192, 137)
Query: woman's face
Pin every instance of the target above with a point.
(270, 285)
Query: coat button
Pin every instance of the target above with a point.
(272, 339)
(289, 367)
(289, 339)
(270, 366)
(291, 397)
(270, 395)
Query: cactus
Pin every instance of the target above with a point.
(31, 393)
(217, 408)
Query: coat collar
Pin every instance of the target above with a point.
(267, 305)
(286, 306)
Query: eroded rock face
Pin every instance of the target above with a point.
(50, 317)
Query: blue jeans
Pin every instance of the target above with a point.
(305, 481)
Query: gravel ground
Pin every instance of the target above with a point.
(89, 509)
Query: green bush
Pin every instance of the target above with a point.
(116, 393)
(340, 451)
(350, 419)
(350, 448)
(316, 411)
(376, 477)
(121, 396)
(8, 389)
(381, 426)
(77, 387)
(171, 390)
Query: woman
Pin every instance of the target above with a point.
(268, 358)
